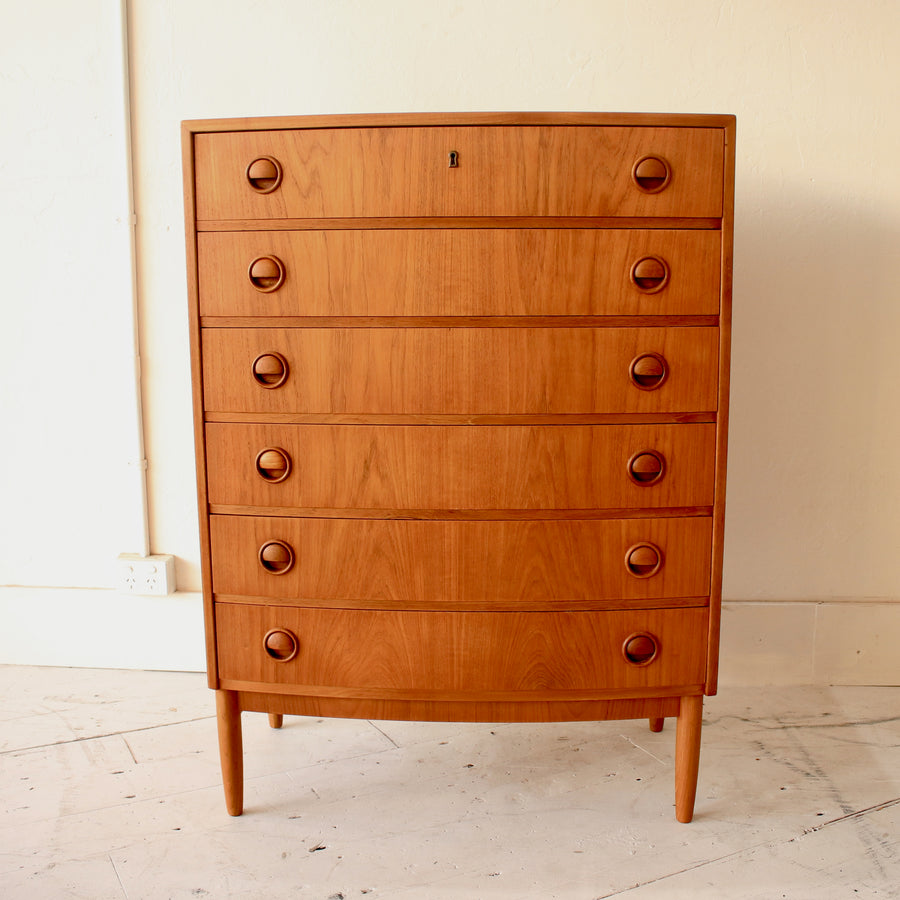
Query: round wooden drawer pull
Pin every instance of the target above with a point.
(270, 370)
(648, 371)
(281, 644)
(266, 274)
(264, 174)
(646, 467)
(640, 649)
(273, 464)
(643, 560)
(276, 557)
(650, 274)
(651, 174)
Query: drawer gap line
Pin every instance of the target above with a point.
(454, 515)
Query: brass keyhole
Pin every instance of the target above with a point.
(454, 159)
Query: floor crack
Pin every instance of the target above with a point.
(857, 814)
(699, 865)
(118, 877)
(787, 726)
(743, 850)
(639, 747)
(384, 733)
(125, 739)
(98, 737)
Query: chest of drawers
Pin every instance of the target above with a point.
(461, 391)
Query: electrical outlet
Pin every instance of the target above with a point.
(145, 575)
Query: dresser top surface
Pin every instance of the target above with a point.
(409, 120)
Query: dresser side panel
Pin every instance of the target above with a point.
(193, 293)
(725, 320)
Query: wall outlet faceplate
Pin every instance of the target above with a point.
(150, 576)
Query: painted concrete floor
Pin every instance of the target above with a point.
(109, 788)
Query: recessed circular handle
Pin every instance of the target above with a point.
(646, 467)
(270, 370)
(281, 644)
(648, 371)
(643, 560)
(650, 274)
(640, 649)
(266, 273)
(264, 174)
(651, 174)
(273, 464)
(276, 557)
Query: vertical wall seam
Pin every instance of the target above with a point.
(141, 461)
(814, 662)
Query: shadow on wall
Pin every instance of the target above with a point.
(813, 491)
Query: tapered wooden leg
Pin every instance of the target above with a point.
(656, 725)
(231, 750)
(687, 756)
(276, 720)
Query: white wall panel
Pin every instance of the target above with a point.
(70, 476)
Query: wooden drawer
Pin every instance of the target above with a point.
(502, 171)
(529, 371)
(434, 467)
(464, 655)
(476, 565)
(461, 272)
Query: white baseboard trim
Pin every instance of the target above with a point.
(845, 641)
(97, 628)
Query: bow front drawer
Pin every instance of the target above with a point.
(551, 564)
(463, 371)
(499, 171)
(447, 467)
(458, 655)
(460, 272)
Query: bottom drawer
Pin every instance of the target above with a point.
(458, 655)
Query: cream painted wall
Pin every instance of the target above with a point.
(812, 516)
(813, 492)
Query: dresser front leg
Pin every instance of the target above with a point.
(231, 750)
(276, 720)
(656, 725)
(687, 756)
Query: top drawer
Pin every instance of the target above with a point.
(500, 171)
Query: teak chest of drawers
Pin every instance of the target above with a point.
(461, 392)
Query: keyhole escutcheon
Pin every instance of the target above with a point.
(454, 159)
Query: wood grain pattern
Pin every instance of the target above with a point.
(187, 158)
(525, 171)
(459, 417)
(687, 756)
(393, 222)
(455, 711)
(420, 119)
(495, 605)
(460, 515)
(460, 321)
(460, 370)
(727, 264)
(452, 467)
(428, 694)
(231, 750)
(475, 565)
(683, 418)
(459, 655)
(479, 272)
